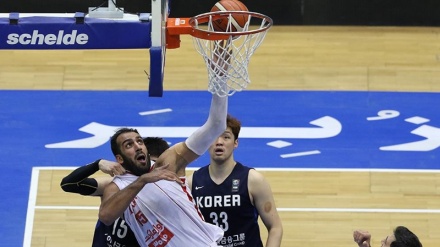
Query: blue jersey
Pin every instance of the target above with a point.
(117, 234)
(228, 206)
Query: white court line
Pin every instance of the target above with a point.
(327, 210)
(291, 155)
(288, 169)
(36, 170)
(67, 207)
(144, 113)
(362, 210)
(32, 202)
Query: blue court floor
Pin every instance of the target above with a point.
(281, 130)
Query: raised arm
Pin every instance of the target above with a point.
(183, 153)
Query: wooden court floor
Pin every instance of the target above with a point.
(317, 207)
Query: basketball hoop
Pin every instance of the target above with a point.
(227, 52)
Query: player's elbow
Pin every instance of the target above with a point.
(276, 231)
(66, 185)
(85, 187)
(105, 217)
(105, 221)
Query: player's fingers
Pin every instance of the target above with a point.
(119, 170)
(179, 181)
(171, 176)
(364, 243)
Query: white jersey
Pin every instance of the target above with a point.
(164, 214)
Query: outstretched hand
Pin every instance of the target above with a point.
(160, 173)
(362, 238)
(110, 167)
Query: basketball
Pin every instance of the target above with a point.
(238, 21)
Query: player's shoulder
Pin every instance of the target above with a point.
(240, 166)
(252, 174)
(255, 176)
(201, 170)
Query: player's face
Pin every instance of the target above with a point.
(386, 242)
(134, 155)
(222, 149)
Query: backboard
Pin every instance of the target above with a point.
(101, 28)
(159, 17)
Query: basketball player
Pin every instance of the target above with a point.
(401, 237)
(232, 195)
(156, 203)
(118, 233)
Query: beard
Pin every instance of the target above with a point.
(134, 169)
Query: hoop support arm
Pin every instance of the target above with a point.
(176, 27)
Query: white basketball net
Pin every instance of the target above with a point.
(227, 60)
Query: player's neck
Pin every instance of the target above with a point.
(220, 172)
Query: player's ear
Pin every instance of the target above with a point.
(119, 159)
(236, 143)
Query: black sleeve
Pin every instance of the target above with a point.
(79, 182)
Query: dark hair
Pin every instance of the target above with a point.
(155, 145)
(234, 124)
(115, 148)
(405, 238)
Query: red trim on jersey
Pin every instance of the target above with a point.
(191, 199)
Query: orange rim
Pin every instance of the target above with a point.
(215, 35)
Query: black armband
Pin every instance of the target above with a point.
(79, 182)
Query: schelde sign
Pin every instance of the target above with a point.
(36, 38)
